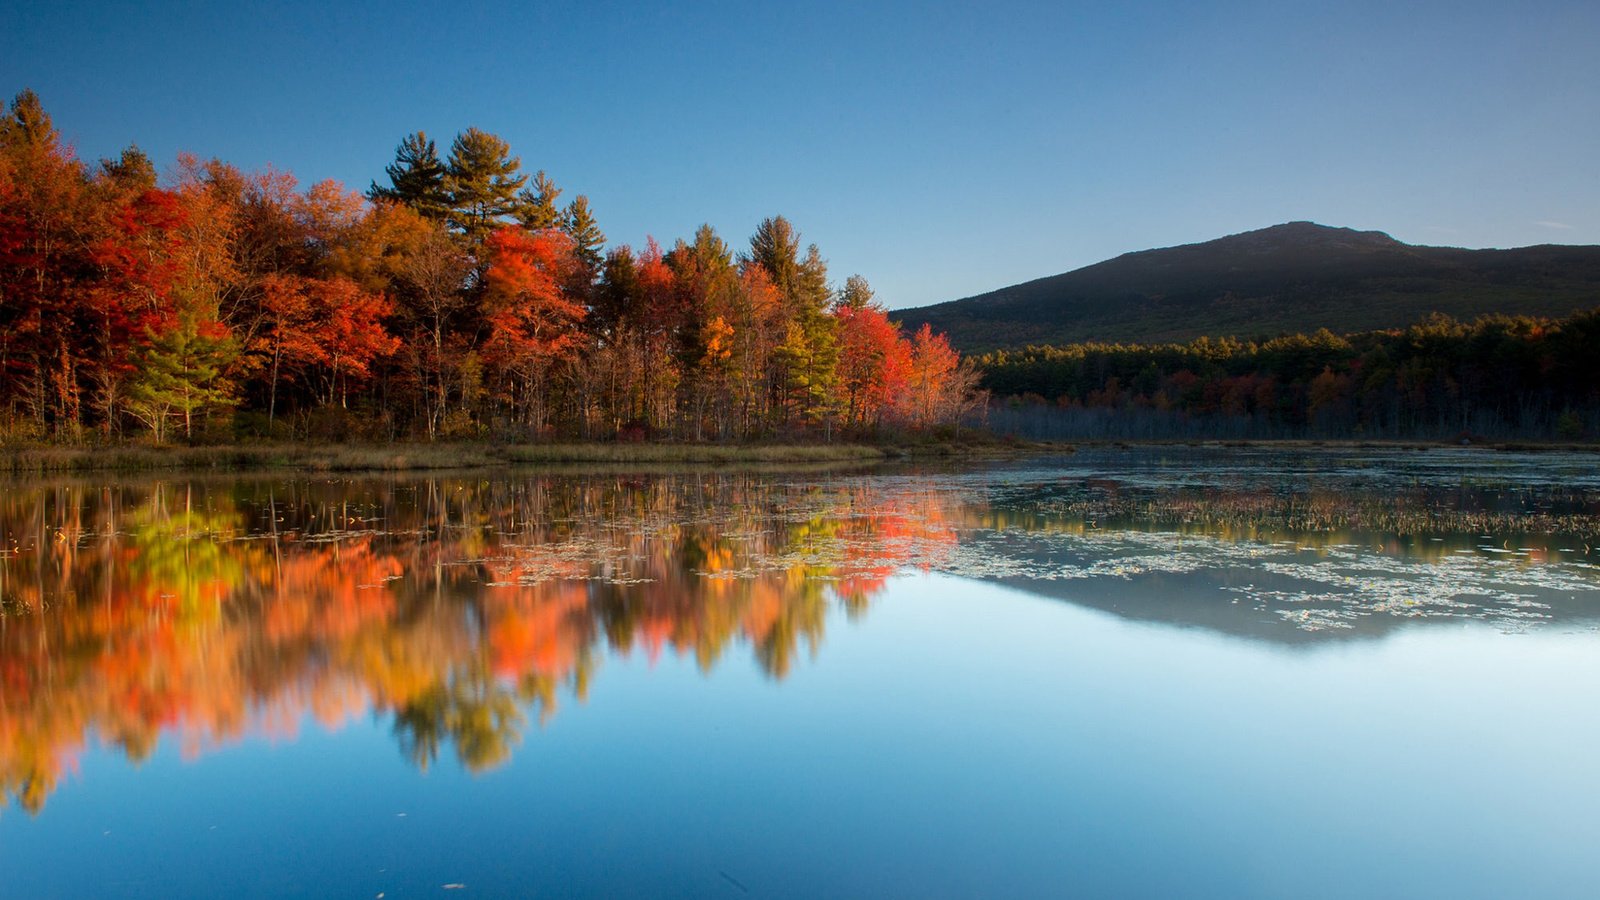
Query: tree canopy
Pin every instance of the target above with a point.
(457, 300)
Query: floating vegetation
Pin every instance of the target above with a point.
(1319, 541)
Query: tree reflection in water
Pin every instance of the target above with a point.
(216, 609)
(461, 609)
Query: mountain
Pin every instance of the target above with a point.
(1296, 277)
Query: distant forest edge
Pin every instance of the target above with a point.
(1290, 278)
(456, 301)
(1500, 377)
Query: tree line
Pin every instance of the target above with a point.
(459, 299)
(1499, 376)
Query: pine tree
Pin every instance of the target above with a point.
(856, 295)
(617, 297)
(482, 182)
(132, 170)
(27, 124)
(810, 291)
(587, 238)
(416, 177)
(704, 273)
(180, 375)
(539, 211)
(776, 247)
(809, 354)
(820, 374)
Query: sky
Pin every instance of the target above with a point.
(939, 149)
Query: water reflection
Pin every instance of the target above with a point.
(1302, 547)
(460, 610)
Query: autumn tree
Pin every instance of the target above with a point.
(757, 317)
(50, 272)
(874, 358)
(941, 386)
(132, 170)
(457, 298)
(429, 271)
(661, 314)
(353, 334)
(708, 285)
(243, 230)
(532, 323)
(326, 332)
(138, 255)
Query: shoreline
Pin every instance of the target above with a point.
(43, 460)
(1341, 444)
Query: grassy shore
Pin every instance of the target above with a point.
(422, 457)
(416, 457)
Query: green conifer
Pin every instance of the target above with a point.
(587, 238)
(481, 181)
(416, 177)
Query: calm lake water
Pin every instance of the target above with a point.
(1150, 672)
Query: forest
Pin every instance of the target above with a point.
(456, 299)
(1499, 377)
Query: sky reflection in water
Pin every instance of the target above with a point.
(809, 684)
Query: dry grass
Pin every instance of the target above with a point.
(403, 457)
(693, 453)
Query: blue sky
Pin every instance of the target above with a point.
(938, 149)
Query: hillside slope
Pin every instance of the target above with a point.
(1296, 277)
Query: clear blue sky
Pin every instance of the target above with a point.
(940, 150)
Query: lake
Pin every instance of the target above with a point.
(1134, 672)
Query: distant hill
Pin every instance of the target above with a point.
(1296, 277)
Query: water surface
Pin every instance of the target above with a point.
(1146, 672)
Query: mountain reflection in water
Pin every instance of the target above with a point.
(458, 608)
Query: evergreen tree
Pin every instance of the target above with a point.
(776, 247)
(27, 124)
(810, 291)
(818, 376)
(587, 238)
(482, 182)
(710, 251)
(617, 297)
(539, 210)
(856, 295)
(416, 177)
(180, 375)
(809, 354)
(132, 170)
(706, 279)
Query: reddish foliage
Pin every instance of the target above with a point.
(530, 317)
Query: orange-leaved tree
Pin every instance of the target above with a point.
(532, 323)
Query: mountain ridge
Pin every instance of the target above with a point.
(1297, 276)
